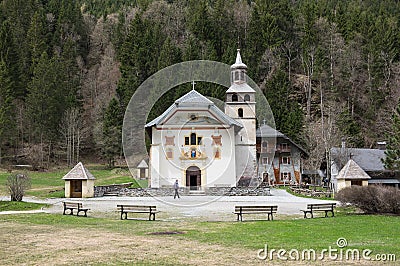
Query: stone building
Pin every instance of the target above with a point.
(279, 158)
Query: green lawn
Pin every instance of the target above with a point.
(375, 232)
(49, 184)
(19, 206)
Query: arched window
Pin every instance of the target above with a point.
(217, 154)
(234, 97)
(193, 139)
(247, 98)
(242, 77)
(237, 73)
(265, 144)
(240, 112)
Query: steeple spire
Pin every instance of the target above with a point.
(238, 57)
(238, 70)
(238, 63)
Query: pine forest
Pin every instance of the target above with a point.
(330, 70)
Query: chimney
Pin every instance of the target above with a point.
(343, 143)
(381, 145)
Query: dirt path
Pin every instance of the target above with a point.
(206, 208)
(22, 212)
(47, 245)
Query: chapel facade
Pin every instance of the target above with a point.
(200, 145)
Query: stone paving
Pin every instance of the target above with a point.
(207, 208)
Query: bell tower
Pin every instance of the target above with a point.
(240, 104)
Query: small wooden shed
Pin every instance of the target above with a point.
(79, 182)
(352, 175)
(143, 170)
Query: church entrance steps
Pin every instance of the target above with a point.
(197, 193)
(111, 194)
(264, 185)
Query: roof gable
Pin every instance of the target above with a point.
(193, 97)
(143, 164)
(265, 131)
(79, 172)
(196, 102)
(240, 88)
(188, 117)
(352, 171)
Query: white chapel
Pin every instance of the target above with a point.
(201, 146)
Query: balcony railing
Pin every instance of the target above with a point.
(283, 149)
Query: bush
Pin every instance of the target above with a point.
(17, 184)
(372, 199)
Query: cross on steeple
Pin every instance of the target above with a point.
(193, 83)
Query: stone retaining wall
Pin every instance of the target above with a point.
(164, 192)
(311, 193)
(99, 191)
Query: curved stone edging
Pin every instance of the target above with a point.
(120, 190)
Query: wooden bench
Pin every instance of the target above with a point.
(124, 209)
(240, 210)
(71, 206)
(319, 207)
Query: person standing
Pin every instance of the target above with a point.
(176, 187)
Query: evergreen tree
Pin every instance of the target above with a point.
(191, 49)
(351, 129)
(46, 99)
(392, 160)
(70, 27)
(264, 33)
(36, 38)
(7, 120)
(19, 14)
(287, 113)
(199, 20)
(69, 75)
(9, 57)
(112, 132)
(139, 56)
(170, 54)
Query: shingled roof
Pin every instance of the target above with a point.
(194, 99)
(352, 171)
(79, 172)
(265, 131)
(143, 165)
(367, 159)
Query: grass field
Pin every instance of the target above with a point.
(49, 184)
(56, 239)
(19, 206)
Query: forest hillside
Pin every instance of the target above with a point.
(330, 69)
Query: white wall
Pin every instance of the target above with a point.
(154, 162)
(67, 188)
(165, 171)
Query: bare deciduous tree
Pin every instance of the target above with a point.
(323, 134)
(17, 185)
(73, 131)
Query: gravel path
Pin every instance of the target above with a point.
(208, 208)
